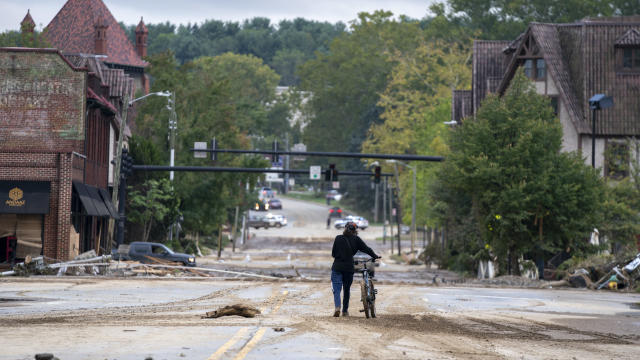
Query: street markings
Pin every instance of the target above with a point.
(242, 332)
(238, 335)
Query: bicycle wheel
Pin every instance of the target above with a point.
(372, 303)
(365, 303)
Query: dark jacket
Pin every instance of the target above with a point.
(344, 247)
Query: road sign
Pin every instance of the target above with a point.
(335, 184)
(200, 154)
(314, 172)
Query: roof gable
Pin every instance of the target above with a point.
(548, 43)
(629, 38)
(72, 30)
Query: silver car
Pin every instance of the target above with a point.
(361, 222)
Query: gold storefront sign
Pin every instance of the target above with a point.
(15, 196)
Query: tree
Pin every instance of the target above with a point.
(525, 194)
(506, 19)
(150, 203)
(416, 103)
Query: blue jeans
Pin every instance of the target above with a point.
(341, 280)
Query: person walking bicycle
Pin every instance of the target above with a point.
(342, 270)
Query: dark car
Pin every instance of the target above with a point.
(335, 212)
(275, 204)
(146, 251)
(257, 222)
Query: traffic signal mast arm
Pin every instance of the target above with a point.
(239, 170)
(328, 154)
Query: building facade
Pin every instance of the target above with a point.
(570, 63)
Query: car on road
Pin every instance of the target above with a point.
(361, 222)
(146, 252)
(261, 205)
(275, 204)
(335, 212)
(257, 221)
(334, 195)
(265, 193)
(276, 220)
(404, 229)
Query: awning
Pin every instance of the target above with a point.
(93, 203)
(24, 197)
(107, 201)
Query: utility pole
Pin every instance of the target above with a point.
(395, 170)
(115, 196)
(390, 215)
(384, 212)
(173, 126)
(286, 165)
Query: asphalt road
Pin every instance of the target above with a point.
(91, 318)
(161, 317)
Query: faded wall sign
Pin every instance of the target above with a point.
(42, 100)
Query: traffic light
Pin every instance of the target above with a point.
(327, 175)
(126, 163)
(377, 175)
(333, 173)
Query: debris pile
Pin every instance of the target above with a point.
(236, 309)
(613, 275)
(90, 264)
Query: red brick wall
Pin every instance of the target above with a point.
(55, 168)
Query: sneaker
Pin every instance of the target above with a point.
(336, 313)
(345, 313)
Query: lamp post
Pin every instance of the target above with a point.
(413, 200)
(597, 102)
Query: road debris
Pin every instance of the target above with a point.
(236, 309)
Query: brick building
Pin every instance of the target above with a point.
(60, 116)
(570, 63)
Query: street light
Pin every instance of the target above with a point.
(159, 93)
(413, 199)
(452, 122)
(597, 102)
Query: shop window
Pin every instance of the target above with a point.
(617, 160)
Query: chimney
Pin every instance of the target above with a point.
(141, 39)
(27, 24)
(100, 37)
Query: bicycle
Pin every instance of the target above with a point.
(367, 289)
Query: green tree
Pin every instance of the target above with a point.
(505, 19)
(152, 202)
(525, 194)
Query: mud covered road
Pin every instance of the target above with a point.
(92, 318)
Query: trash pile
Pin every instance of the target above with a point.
(613, 276)
(89, 263)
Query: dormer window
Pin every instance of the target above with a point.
(628, 51)
(631, 58)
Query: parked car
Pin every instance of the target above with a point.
(257, 221)
(405, 229)
(275, 204)
(334, 195)
(276, 220)
(145, 252)
(335, 212)
(361, 222)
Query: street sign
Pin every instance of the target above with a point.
(336, 184)
(200, 154)
(300, 147)
(314, 172)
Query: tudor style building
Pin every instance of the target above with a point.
(569, 63)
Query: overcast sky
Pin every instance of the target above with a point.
(196, 11)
